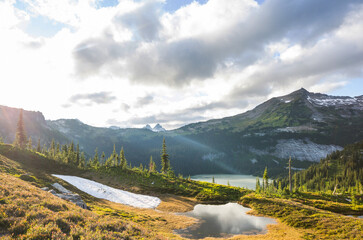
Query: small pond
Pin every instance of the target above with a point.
(237, 180)
(223, 221)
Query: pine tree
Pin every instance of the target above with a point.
(290, 182)
(265, 180)
(258, 185)
(82, 160)
(20, 137)
(77, 155)
(213, 181)
(38, 146)
(123, 162)
(114, 156)
(57, 149)
(52, 148)
(44, 149)
(95, 161)
(30, 144)
(165, 164)
(152, 166)
(103, 158)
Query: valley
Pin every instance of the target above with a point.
(133, 199)
(303, 125)
(300, 215)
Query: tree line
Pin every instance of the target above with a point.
(71, 154)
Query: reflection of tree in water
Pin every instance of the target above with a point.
(223, 221)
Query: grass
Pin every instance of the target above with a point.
(315, 223)
(29, 213)
(136, 180)
(26, 212)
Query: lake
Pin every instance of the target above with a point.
(223, 221)
(246, 181)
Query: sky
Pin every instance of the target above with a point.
(129, 63)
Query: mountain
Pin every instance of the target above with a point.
(306, 126)
(157, 128)
(35, 125)
(148, 127)
(341, 171)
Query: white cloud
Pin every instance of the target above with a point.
(199, 62)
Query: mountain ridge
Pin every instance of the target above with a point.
(301, 124)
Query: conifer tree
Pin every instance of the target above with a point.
(103, 155)
(265, 180)
(30, 144)
(95, 161)
(151, 165)
(258, 185)
(38, 146)
(123, 162)
(52, 148)
(290, 182)
(44, 149)
(213, 181)
(114, 157)
(57, 149)
(77, 155)
(165, 164)
(82, 160)
(20, 137)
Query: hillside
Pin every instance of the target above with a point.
(340, 171)
(303, 125)
(28, 212)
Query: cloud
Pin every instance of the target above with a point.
(199, 62)
(124, 107)
(143, 21)
(142, 101)
(178, 61)
(180, 117)
(92, 98)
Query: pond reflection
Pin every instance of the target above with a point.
(223, 221)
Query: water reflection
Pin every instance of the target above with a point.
(223, 221)
(237, 180)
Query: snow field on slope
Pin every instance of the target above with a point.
(99, 190)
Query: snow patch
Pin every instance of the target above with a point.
(254, 160)
(99, 190)
(296, 129)
(276, 161)
(328, 101)
(212, 156)
(303, 150)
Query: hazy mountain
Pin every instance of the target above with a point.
(157, 128)
(306, 126)
(35, 125)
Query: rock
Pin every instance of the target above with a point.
(74, 198)
(45, 188)
(68, 195)
(60, 188)
(52, 192)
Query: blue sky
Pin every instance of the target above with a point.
(133, 64)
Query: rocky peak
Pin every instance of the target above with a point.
(158, 128)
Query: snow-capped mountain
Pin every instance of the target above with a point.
(304, 125)
(156, 128)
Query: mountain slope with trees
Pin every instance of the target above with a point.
(303, 125)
